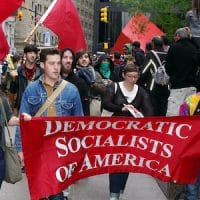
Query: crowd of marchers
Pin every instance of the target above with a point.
(89, 83)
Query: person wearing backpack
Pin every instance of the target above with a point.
(159, 93)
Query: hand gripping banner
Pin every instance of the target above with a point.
(58, 151)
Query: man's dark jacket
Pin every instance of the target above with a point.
(181, 64)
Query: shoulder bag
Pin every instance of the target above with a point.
(12, 162)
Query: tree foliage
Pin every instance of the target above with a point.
(167, 14)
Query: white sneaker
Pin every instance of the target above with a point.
(114, 198)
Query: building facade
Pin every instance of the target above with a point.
(86, 12)
(32, 10)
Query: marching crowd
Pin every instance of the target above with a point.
(85, 84)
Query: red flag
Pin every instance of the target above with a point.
(8, 7)
(4, 47)
(63, 19)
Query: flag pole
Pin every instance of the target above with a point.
(30, 35)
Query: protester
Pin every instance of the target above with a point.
(148, 47)
(166, 43)
(105, 67)
(94, 58)
(193, 22)
(117, 58)
(191, 106)
(27, 72)
(138, 53)
(68, 64)
(67, 103)
(158, 93)
(117, 98)
(12, 121)
(15, 60)
(127, 49)
(94, 81)
(181, 66)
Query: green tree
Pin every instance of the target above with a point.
(167, 14)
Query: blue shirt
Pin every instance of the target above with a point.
(67, 103)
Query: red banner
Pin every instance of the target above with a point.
(61, 150)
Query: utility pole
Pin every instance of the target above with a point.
(35, 22)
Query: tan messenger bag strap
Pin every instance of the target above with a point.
(51, 99)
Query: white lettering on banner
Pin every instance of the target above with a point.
(49, 130)
(168, 128)
(179, 128)
(74, 144)
(59, 144)
(64, 172)
(119, 159)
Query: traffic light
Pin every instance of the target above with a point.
(104, 14)
(19, 15)
(105, 45)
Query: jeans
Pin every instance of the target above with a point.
(55, 197)
(2, 166)
(192, 191)
(117, 183)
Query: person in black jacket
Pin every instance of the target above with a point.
(105, 67)
(68, 64)
(93, 79)
(138, 53)
(158, 93)
(27, 72)
(181, 66)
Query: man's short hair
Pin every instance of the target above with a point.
(183, 32)
(45, 52)
(136, 44)
(30, 48)
(157, 41)
(166, 40)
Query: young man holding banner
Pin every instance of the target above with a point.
(66, 103)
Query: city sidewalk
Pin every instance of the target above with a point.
(139, 187)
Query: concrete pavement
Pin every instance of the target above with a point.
(139, 187)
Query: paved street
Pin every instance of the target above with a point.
(139, 187)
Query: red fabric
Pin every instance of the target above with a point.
(139, 28)
(8, 7)
(64, 21)
(164, 147)
(30, 72)
(4, 47)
